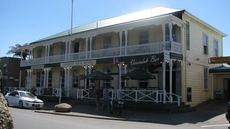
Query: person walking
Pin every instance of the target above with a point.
(97, 97)
(105, 99)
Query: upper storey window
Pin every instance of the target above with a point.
(62, 49)
(167, 33)
(215, 46)
(144, 37)
(39, 53)
(205, 44)
(93, 44)
(107, 42)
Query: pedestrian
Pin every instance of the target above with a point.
(33, 91)
(97, 97)
(105, 99)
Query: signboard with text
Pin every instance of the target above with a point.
(216, 60)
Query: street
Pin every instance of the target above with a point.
(28, 119)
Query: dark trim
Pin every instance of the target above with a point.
(176, 56)
(103, 61)
(26, 67)
(52, 65)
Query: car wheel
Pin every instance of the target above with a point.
(38, 108)
(20, 104)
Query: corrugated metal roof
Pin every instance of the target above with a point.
(158, 11)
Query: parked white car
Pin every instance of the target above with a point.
(23, 99)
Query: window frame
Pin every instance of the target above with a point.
(205, 44)
(143, 37)
(215, 48)
(76, 77)
(107, 40)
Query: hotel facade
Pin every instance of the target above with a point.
(171, 44)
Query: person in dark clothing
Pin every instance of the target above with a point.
(97, 98)
(33, 90)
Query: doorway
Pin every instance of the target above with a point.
(226, 88)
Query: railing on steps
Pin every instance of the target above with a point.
(135, 95)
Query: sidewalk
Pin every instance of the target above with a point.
(207, 113)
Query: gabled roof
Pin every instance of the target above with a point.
(154, 12)
(221, 69)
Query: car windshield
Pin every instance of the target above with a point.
(26, 94)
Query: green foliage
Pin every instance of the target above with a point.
(16, 50)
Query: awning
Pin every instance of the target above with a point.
(221, 69)
(97, 75)
(137, 74)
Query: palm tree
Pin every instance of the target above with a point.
(16, 50)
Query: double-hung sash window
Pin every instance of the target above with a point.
(39, 53)
(93, 44)
(205, 44)
(75, 78)
(144, 37)
(215, 46)
(50, 79)
(167, 33)
(107, 42)
(62, 74)
(62, 49)
(51, 51)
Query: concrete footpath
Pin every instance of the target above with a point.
(211, 112)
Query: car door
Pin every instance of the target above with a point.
(10, 98)
(15, 99)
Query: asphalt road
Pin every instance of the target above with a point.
(29, 119)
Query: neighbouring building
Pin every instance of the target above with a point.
(172, 44)
(10, 72)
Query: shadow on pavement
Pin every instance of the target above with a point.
(205, 112)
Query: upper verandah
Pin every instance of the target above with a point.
(154, 12)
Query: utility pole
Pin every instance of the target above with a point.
(71, 19)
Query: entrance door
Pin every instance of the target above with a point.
(167, 82)
(226, 88)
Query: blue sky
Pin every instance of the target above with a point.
(25, 21)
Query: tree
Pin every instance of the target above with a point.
(16, 50)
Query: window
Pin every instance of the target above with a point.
(39, 79)
(206, 78)
(122, 39)
(50, 79)
(106, 83)
(205, 43)
(93, 44)
(39, 54)
(144, 37)
(107, 42)
(143, 83)
(215, 46)
(51, 51)
(75, 78)
(76, 47)
(62, 49)
(187, 35)
(122, 80)
(167, 33)
(62, 74)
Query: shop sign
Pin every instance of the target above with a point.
(215, 60)
(143, 60)
(79, 63)
(37, 67)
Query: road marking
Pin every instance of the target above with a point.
(206, 126)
